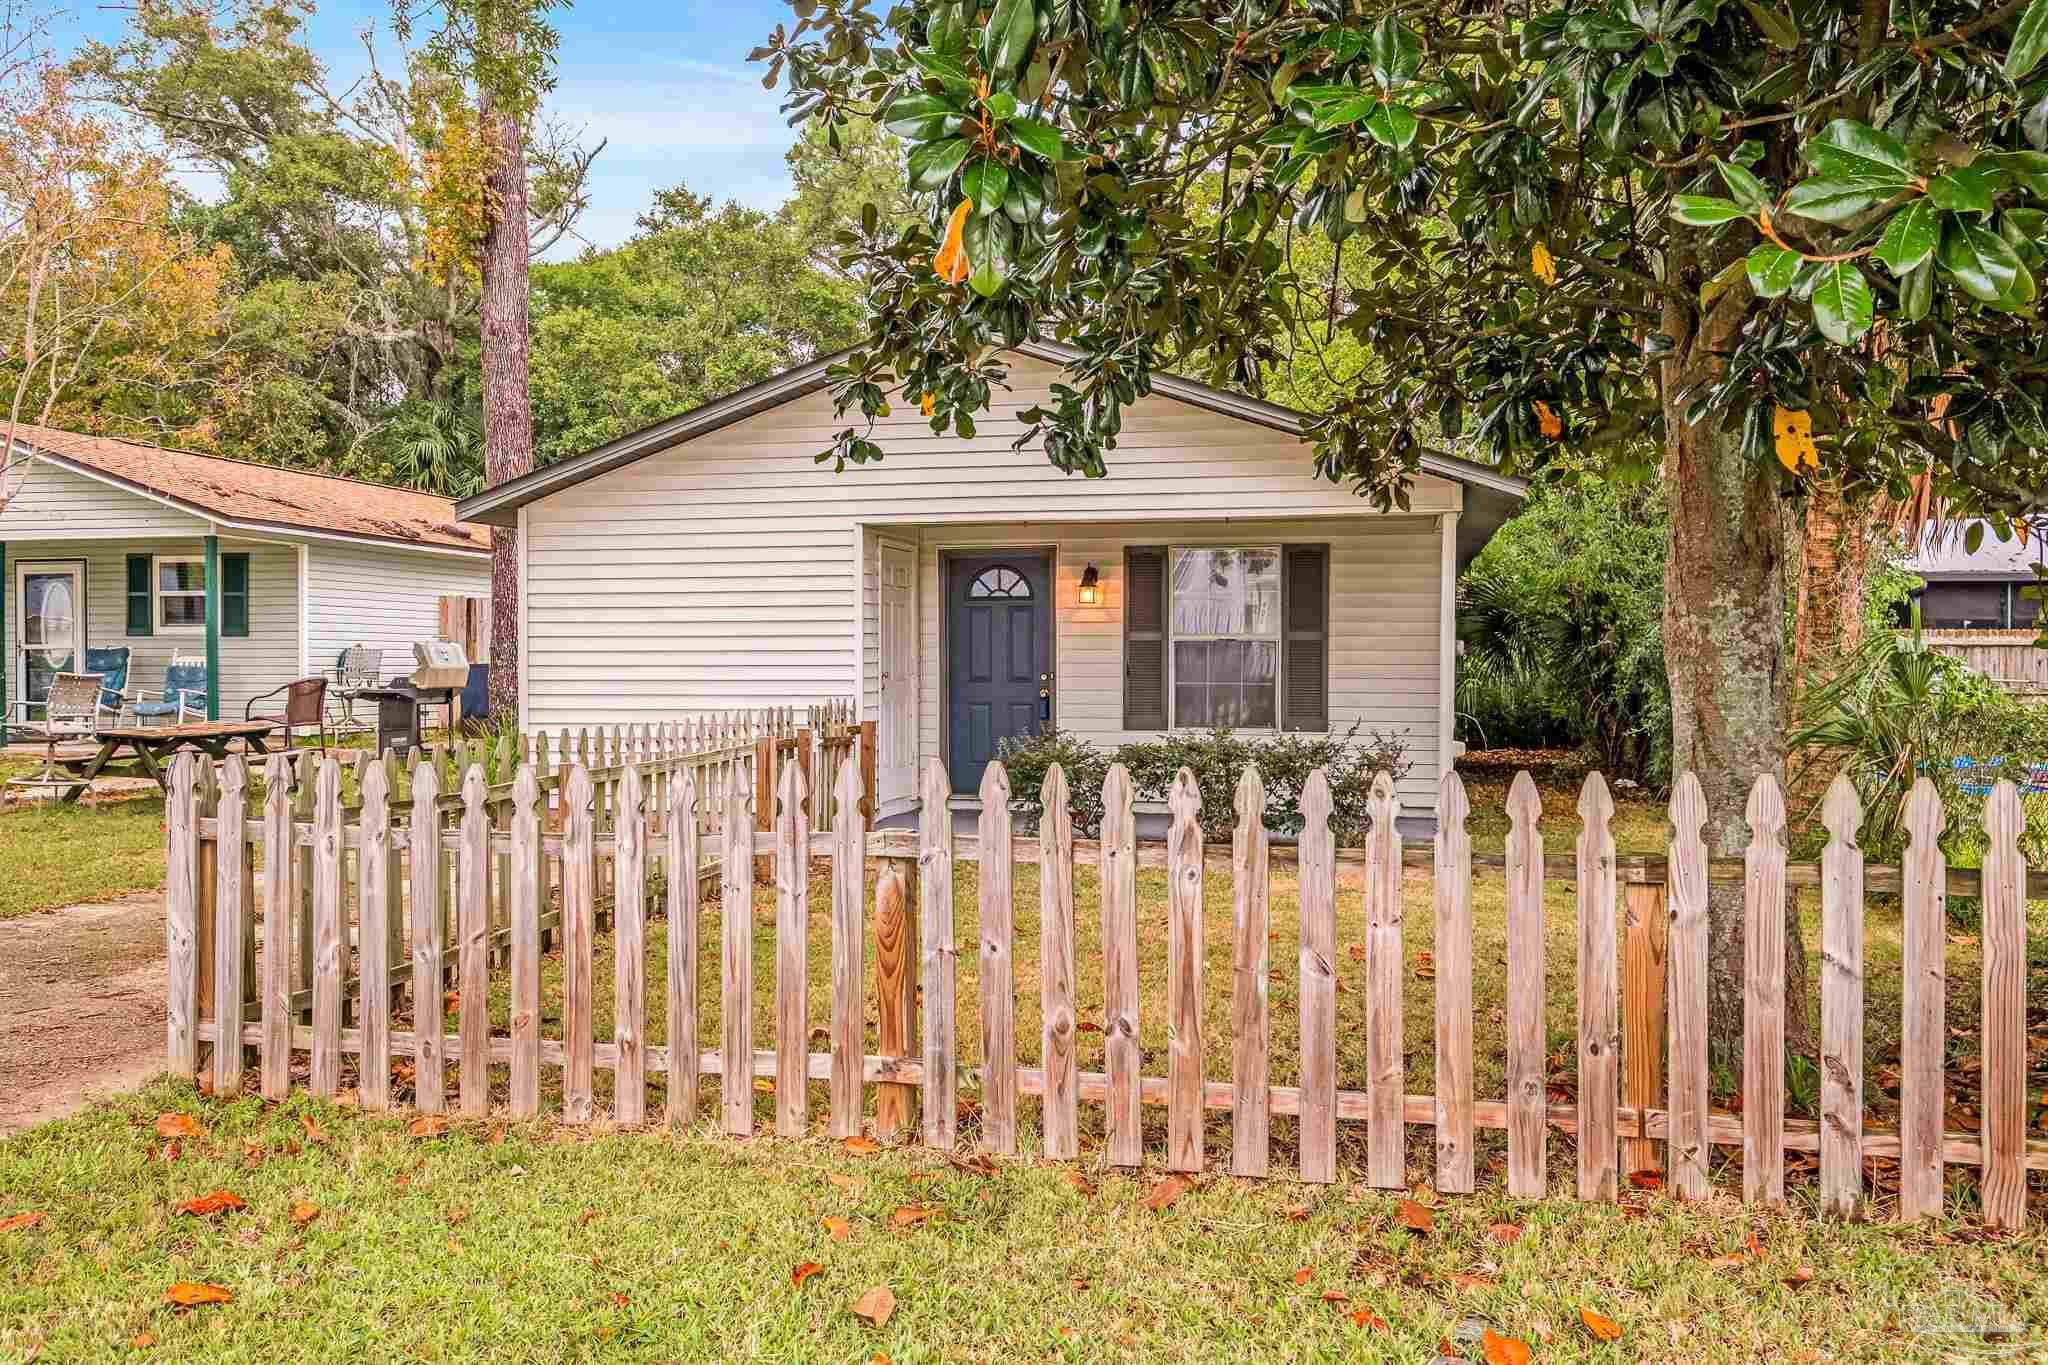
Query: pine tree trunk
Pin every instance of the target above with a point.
(1724, 646)
(508, 420)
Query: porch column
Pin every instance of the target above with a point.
(6, 658)
(213, 627)
(1447, 648)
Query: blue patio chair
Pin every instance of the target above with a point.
(111, 663)
(183, 693)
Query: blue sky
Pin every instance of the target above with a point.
(668, 86)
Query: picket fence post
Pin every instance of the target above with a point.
(1318, 969)
(792, 952)
(1527, 1074)
(1922, 1037)
(1454, 1159)
(1184, 976)
(1599, 1032)
(849, 863)
(935, 909)
(1059, 1021)
(1841, 1003)
(685, 853)
(1119, 858)
(1685, 965)
(1251, 1024)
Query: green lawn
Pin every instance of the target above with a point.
(530, 1242)
(52, 856)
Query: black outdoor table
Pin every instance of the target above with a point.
(151, 742)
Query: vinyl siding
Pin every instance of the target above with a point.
(251, 665)
(53, 502)
(386, 599)
(736, 571)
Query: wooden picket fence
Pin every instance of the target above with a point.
(705, 812)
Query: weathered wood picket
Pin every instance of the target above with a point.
(422, 888)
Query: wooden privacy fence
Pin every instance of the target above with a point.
(913, 928)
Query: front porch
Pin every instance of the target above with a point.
(1137, 629)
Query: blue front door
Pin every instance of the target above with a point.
(998, 657)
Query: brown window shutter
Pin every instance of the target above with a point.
(1145, 638)
(1306, 642)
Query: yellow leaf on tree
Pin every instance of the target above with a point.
(1794, 435)
(926, 404)
(951, 262)
(1541, 264)
(1550, 423)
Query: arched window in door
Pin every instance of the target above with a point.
(999, 582)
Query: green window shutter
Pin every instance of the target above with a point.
(141, 617)
(1305, 589)
(234, 595)
(1145, 638)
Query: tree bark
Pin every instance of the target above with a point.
(1835, 545)
(508, 419)
(1724, 649)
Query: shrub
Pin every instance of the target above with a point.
(1218, 759)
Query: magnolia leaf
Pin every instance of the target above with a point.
(1039, 139)
(1859, 154)
(932, 163)
(1747, 189)
(950, 264)
(207, 1205)
(2029, 41)
(1705, 210)
(1541, 265)
(1346, 113)
(1829, 201)
(1842, 303)
(1962, 190)
(1393, 125)
(1978, 258)
(1792, 437)
(1549, 422)
(985, 182)
(934, 63)
(189, 1294)
(1779, 30)
(1909, 238)
(1772, 269)
(1007, 39)
(1395, 53)
(1002, 105)
(877, 1305)
(1601, 1326)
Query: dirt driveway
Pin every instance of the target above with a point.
(81, 1006)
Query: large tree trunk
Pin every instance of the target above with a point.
(1724, 649)
(1835, 543)
(508, 420)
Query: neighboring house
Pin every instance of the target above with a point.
(272, 572)
(961, 591)
(1977, 590)
(1975, 606)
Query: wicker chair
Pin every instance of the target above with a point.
(70, 711)
(357, 669)
(305, 703)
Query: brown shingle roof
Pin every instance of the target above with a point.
(241, 491)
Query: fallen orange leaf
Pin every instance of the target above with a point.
(142, 1341)
(1502, 1350)
(1465, 1281)
(839, 1228)
(803, 1272)
(1728, 1262)
(1335, 1296)
(314, 1132)
(1080, 1182)
(1165, 1193)
(1601, 1326)
(304, 1212)
(428, 1125)
(190, 1294)
(1415, 1217)
(22, 1220)
(207, 1205)
(876, 1305)
(1365, 1317)
(177, 1125)
(844, 1182)
(1506, 1233)
(1646, 1180)
(1303, 1275)
(910, 1215)
(862, 1145)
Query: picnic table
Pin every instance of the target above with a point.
(150, 743)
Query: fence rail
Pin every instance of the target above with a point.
(671, 817)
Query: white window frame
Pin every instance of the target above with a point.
(157, 594)
(1278, 637)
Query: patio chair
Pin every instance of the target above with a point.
(183, 693)
(356, 669)
(70, 711)
(305, 703)
(111, 663)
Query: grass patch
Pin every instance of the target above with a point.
(533, 1242)
(52, 856)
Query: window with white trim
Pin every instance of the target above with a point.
(180, 594)
(1224, 626)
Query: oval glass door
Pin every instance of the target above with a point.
(52, 598)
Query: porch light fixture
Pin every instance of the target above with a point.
(1091, 587)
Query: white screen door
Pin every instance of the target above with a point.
(51, 608)
(896, 726)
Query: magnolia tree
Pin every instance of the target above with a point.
(1737, 245)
